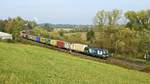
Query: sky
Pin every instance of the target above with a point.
(65, 11)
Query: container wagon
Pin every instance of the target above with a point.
(53, 42)
(47, 41)
(67, 45)
(78, 47)
(38, 39)
(60, 44)
(31, 37)
(42, 40)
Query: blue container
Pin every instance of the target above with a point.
(38, 39)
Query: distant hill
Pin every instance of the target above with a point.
(65, 25)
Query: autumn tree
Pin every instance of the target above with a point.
(138, 20)
(14, 26)
(39, 31)
(107, 18)
(90, 35)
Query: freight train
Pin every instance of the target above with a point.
(81, 48)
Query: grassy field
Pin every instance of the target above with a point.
(26, 64)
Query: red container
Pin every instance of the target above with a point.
(60, 44)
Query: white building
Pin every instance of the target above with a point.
(5, 36)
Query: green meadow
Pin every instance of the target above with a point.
(26, 64)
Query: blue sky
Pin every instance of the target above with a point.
(65, 11)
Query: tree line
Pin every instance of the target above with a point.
(126, 34)
(17, 24)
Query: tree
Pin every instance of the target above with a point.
(39, 31)
(2, 25)
(138, 20)
(48, 27)
(14, 26)
(76, 38)
(107, 18)
(90, 35)
(30, 25)
(61, 33)
(113, 17)
(101, 18)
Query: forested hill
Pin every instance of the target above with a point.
(65, 25)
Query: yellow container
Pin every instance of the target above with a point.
(53, 42)
(42, 40)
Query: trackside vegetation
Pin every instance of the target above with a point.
(26, 64)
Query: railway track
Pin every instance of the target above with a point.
(114, 61)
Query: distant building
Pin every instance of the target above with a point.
(5, 36)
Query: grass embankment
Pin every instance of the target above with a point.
(30, 64)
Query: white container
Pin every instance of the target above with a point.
(67, 45)
(78, 47)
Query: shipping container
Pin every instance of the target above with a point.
(67, 45)
(60, 44)
(53, 42)
(38, 39)
(78, 47)
(42, 40)
(47, 41)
